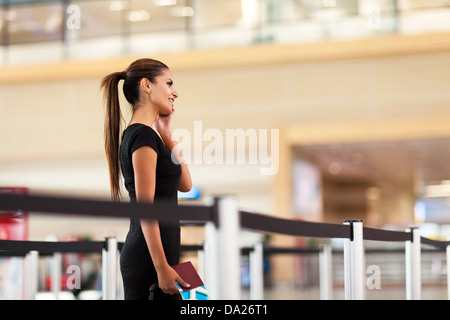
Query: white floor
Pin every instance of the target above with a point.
(391, 293)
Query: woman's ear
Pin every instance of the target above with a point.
(146, 85)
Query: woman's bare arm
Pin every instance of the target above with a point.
(144, 165)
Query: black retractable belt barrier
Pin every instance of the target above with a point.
(9, 248)
(442, 245)
(267, 223)
(191, 247)
(203, 213)
(385, 235)
(281, 250)
(104, 208)
(194, 214)
(16, 247)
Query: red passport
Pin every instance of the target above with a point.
(188, 273)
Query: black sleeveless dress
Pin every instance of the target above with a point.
(136, 265)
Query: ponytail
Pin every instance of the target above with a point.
(112, 129)
(142, 68)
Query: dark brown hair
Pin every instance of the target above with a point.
(142, 68)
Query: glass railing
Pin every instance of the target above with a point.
(97, 29)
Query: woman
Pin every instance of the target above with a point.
(150, 174)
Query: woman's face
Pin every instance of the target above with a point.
(163, 93)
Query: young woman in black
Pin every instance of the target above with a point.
(149, 171)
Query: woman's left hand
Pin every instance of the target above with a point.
(164, 125)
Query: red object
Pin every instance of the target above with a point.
(13, 224)
(188, 273)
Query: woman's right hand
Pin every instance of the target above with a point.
(166, 280)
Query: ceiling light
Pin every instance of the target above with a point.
(187, 12)
(334, 168)
(163, 3)
(118, 5)
(182, 12)
(138, 15)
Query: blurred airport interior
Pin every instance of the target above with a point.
(357, 92)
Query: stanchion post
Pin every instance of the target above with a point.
(256, 272)
(211, 261)
(32, 258)
(413, 265)
(448, 271)
(56, 274)
(347, 268)
(109, 268)
(223, 252)
(229, 249)
(326, 273)
(354, 262)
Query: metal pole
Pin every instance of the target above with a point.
(32, 274)
(212, 263)
(354, 258)
(109, 267)
(228, 248)
(347, 269)
(56, 274)
(256, 272)
(358, 256)
(326, 273)
(413, 265)
(448, 271)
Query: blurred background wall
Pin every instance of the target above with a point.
(358, 91)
